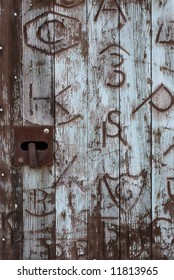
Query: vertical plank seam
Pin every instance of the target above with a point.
(151, 129)
(54, 123)
(119, 144)
(87, 125)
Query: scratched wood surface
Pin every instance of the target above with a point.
(10, 187)
(6, 197)
(38, 109)
(103, 129)
(101, 73)
(135, 156)
(162, 129)
(72, 201)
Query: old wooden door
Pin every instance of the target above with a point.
(100, 73)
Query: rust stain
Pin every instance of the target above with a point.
(106, 218)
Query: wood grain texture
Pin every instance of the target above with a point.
(71, 136)
(162, 130)
(38, 109)
(103, 131)
(10, 195)
(101, 73)
(135, 158)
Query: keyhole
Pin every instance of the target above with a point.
(40, 145)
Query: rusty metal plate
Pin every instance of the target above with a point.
(41, 136)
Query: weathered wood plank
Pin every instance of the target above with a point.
(71, 132)
(103, 129)
(100, 72)
(162, 129)
(38, 109)
(135, 125)
(10, 219)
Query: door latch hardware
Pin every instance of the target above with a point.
(33, 146)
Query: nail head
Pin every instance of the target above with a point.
(20, 160)
(46, 131)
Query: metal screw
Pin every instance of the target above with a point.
(15, 14)
(20, 160)
(46, 131)
(1, 109)
(31, 4)
(1, 48)
(16, 206)
(2, 174)
(113, 37)
(3, 239)
(15, 77)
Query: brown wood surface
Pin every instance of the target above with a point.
(101, 73)
(10, 189)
